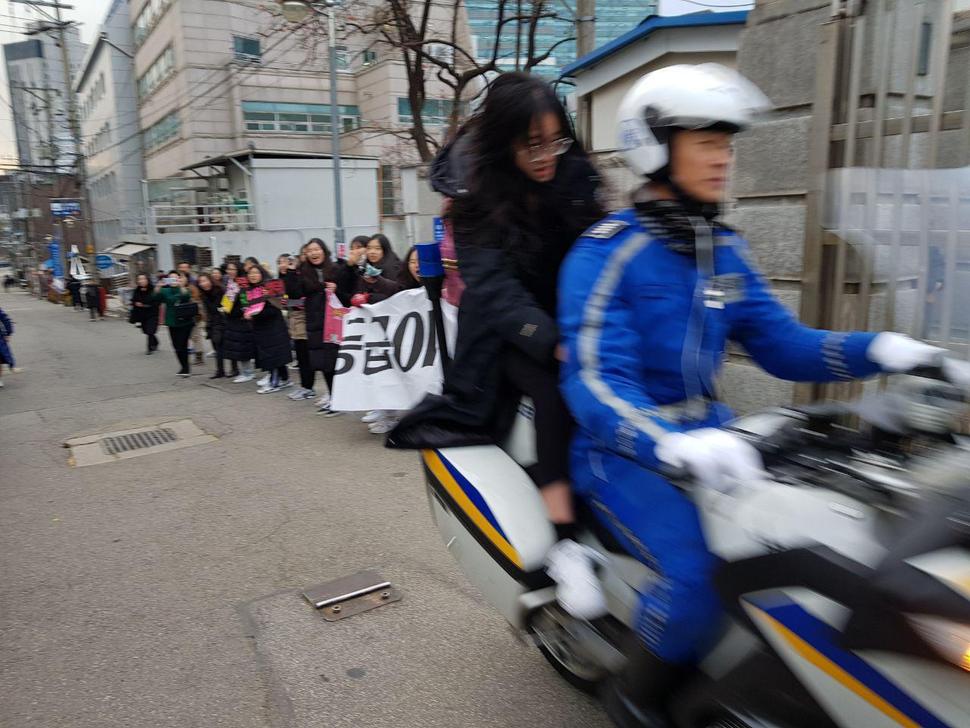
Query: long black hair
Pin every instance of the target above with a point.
(390, 263)
(309, 273)
(498, 192)
(404, 277)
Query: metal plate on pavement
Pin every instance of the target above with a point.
(351, 595)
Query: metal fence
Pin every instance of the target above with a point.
(888, 235)
(202, 218)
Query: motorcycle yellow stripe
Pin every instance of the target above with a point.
(813, 656)
(447, 480)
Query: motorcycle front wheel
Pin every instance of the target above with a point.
(549, 626)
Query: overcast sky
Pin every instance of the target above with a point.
(13, 17)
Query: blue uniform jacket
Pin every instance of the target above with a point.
(625, 310)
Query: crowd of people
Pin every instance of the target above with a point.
(256, 321)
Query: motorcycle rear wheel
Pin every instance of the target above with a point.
(555, 643)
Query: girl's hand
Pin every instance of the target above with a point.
(331, 286)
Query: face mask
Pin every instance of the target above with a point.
(371, 272)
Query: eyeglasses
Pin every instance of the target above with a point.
(536, 152)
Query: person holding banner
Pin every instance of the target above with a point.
(262, 308)
(410, 277)
(528, 192)
(238, 344)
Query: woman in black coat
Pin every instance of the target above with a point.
(531, 193)
(270, 332)
(210, 294)
(313, 279)
(369, 274)
(238, 345)
(144, 310)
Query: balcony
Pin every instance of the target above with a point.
(202, 218)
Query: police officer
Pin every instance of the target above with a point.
(649, 298)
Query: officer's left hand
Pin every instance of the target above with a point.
(715, 458)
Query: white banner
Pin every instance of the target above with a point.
(389, 357)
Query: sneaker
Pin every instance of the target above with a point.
(381, 427)
(578, 589)
(268, 389)
(1, 384)
(323, 402)
(327, 412)
(286, 383)
(263, 382)
(183, 374)
(372, 416)
(243, 378)
(297, 394)
(293, 367)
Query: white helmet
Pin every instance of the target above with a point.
(683, 97)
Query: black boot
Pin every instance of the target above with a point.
(638, 696)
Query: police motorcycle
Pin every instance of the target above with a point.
(845, 576)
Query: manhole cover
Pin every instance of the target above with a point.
(138, 440)
(110, 446)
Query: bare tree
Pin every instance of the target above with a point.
(438, 47)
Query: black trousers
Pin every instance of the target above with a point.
(152, 341)
(553, 423)
(307, 375)
(180, 342)
(279, 375)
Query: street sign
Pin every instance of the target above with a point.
(103, 261)
(439, 230)
(65, 208)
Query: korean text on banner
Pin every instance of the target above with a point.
(389, 357)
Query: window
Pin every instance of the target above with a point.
(369, 57)
(436, 111)
(246, 49)
(442, 52)
(388, 196)
(157, 73)
(343, 58)
(261, 116)
(162, 131)
(148, 17)
(925, 38)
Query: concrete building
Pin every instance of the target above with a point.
(38, 97)
(219, 77)
(603, 77)
(108, 111)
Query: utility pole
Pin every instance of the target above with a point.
(338, 205)
(80, 167)
(585, 27)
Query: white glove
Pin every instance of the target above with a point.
(899, 353)
(716, 458)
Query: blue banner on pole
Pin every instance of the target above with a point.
(439, 229)
(57, 265)
(103, 261)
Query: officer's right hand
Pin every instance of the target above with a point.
(715, 458)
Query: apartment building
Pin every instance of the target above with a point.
(38, 97)
(216, 76)
(111, 138)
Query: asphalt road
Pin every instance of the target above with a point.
(164, 590)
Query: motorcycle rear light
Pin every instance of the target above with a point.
(966, 660)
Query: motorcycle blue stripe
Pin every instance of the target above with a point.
(816, 641)
(473, 495)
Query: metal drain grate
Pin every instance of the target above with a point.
(126, 443)
(138, 440)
